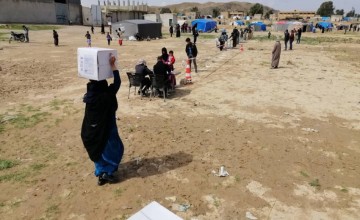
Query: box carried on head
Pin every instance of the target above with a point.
(93, 63)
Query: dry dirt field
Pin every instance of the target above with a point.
(289, 137)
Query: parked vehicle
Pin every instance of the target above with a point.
(17, 37)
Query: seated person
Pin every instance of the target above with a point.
(144, 70)
(161, 70)
(138, 37)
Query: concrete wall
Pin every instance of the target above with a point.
(39, 11)
(165, 19)
(124, 15)
(15, 11)
(152, 17)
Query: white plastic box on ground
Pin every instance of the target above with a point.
(93, 63)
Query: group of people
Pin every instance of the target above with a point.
(288, 38)
(164, 69)
(236, 36)
(193, 29)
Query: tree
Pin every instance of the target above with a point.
(339, 12)
(268, 13)
(215, 12)
(257, 9)
(326, 9)
(194, 9)
(351, 13)
(165, 10)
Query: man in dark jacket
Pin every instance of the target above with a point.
(142, 69)
(160, 73)
(286, 38)
(298, 36)
(191, 52)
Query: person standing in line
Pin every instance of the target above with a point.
(108, 38)
(56, 38)
(171, 30)
(26, 29)
(99, 132)
(286, 38)
(88, 38)
(92, 29)
(191, 52)
(102, 29)
(276, 55)
(195, 32)
(177, 30)
(292, 38)
(299, 32)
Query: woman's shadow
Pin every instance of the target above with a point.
(152, 166)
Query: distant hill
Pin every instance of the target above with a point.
(207, 8)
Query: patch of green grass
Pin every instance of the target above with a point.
(344, 190)
(37, 166)
(6, 164)
(207, 36)
(315, 183)
(118, 192)
(2, 204)
(304, 174)
(237, 178)
(216, 202)
(57, 103)
(24, 121)
(31, 27)
(52, 210)
(17, 176)
(4, 36)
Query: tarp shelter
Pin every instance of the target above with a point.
(290, 25)
(181, 22)
(239, 23)
(258, 26)
(204, 25)
(325, 24)
(145, 28)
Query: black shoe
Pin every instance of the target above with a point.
(101, 181)
(108, 178)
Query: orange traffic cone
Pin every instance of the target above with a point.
(241, 48)
(188, 71)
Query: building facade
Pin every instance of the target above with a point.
(41, 11)
(295, 15)
(166, 19)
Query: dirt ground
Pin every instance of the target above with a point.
(288, 137)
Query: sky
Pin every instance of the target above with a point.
(308, 5)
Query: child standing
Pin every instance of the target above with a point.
(108, 38)
(88, 38)
(170, 62)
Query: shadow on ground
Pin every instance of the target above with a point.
(153, 166)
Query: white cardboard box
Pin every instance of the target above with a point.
(154, 211)
(93, 63)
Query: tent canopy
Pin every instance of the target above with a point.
(325, 24)
(204, 25)
(145, 28)
(259, 26)
(239, 23)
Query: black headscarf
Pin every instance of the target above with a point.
(164, 54)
